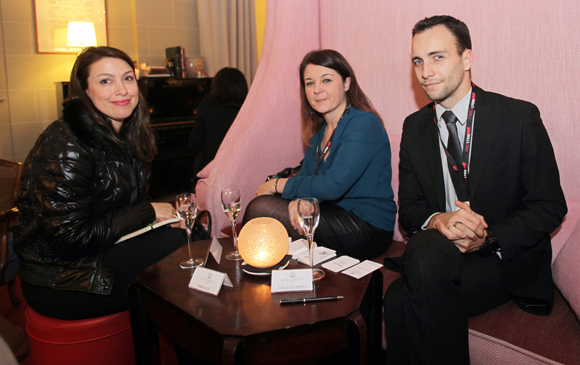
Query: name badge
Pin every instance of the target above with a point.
(291, 280)
(209, 281)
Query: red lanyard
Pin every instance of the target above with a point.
(327, 147)
(466, 142)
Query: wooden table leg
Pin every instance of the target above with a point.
(361, 326)
(229, 351)
(145, 332)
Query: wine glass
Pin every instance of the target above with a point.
(186, 208)
(308, 216)
(231, 204)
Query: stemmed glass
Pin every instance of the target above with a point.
(308, 216)
(231, 204)
(186, 207)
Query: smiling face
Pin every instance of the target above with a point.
(113, 89)
(441, 71)
(325, 90)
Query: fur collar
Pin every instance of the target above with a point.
(86, 129)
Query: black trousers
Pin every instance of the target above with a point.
(125, 260)
(337, 229)
(426, 310)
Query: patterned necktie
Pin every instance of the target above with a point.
(453, 145)
(454, 149)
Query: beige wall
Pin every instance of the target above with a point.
(142, 28)
(164, 23)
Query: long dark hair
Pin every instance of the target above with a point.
(229, 87)
(312, 121)
(135, 130)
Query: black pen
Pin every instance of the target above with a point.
(309, 300)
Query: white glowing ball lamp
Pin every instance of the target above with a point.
(263, 242)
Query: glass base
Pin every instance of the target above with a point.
(234, 256)
(317, 274)
(190, 264)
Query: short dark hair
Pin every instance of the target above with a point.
(455, 26)
(229, 87)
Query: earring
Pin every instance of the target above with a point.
(312, 115)
(347, 108)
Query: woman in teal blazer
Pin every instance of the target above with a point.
(347, 164)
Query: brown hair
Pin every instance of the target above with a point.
(455, 26)
(312, 121)
(135, 129)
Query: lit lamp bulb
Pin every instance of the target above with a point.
(81, 34)
(263, 242)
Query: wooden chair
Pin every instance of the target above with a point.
(9, 184)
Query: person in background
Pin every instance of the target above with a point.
(479, 195)
(216, 114)
(85, 185)
(351, 179)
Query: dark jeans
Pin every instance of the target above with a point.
(337, 229)
(125, 260)
(426, 310)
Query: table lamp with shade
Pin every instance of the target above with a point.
(263, 242)
(81, 34)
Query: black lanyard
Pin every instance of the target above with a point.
(329, 143)
(466, 143)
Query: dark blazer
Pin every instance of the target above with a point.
(514, 184)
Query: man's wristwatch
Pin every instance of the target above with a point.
(490, 246)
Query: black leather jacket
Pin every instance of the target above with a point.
(75, 202)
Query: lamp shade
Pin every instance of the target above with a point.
(81, 34)
(263, 242)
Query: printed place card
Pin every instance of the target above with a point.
(362, 269)
(341, 263)
(216, 249)
(209, 281)
(291, 280)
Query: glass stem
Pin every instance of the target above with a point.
(188, 231)
(235, 235)
(311, 250)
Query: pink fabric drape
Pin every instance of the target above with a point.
(525, 49)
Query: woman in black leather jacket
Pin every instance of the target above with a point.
(85, 185)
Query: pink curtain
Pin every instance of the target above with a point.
(526, 49)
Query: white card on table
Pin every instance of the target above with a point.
(216, 249)
(362, 269)
(291, 280)
(341, 263)
(209, 281)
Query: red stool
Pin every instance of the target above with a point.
(102, 340)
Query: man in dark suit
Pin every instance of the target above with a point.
(479, 195)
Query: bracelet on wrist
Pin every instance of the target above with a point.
(276, 186)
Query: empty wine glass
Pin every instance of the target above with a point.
(308, 216)
(186, 207)
(231, 204)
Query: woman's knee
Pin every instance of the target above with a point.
(261, 206)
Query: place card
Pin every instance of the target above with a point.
(341, 263)
(209, 281)
(319, 254)
(291, 280)
(362, 269)
(216, 249)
